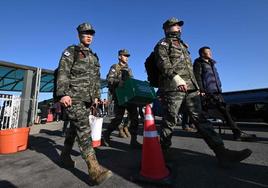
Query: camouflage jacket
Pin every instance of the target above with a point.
(173, 58)
(79, 77)
(115, 74)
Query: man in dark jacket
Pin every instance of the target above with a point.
(210, 90)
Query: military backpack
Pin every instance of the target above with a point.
(152, 70)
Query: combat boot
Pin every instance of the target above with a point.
(134, 144)
(127, 131)
(228, 157)
(122, 133)
(97, 173)
(65, 157)
(106, 140)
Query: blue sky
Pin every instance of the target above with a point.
(36, 32)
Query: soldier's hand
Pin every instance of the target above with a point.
(66, 101)
(201, 93)
(96, 100)
(182, 88)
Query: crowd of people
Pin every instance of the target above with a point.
(180, 85)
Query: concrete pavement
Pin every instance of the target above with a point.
(194, 164)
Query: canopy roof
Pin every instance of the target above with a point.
(11, 77)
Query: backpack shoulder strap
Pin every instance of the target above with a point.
(76, 52)
(169, 41)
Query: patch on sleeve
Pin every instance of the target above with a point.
(164, 43)
(66, 53)
(113, 70)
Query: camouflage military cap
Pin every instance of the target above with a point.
(123, 52)
(172, 21)
(85, 28)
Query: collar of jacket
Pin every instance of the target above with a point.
(172, 38)
(210, 61)
(122, 65)
(82, 47)
(173, 35)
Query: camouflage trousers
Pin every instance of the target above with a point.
(78, 115)
(171, 104)
(119, 115)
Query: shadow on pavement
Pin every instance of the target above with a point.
(194, 169)
(52, 133)
(48, 148)
(6, 184)
(189, 168)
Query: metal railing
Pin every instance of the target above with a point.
(9, 111)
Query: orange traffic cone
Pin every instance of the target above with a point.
(153, 168)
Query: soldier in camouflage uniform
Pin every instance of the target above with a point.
(118, 73)
(178, 83)
(78, 87)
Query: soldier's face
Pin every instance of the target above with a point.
(207, 54)
(174, 28)
(86, 39)
(123, 59)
